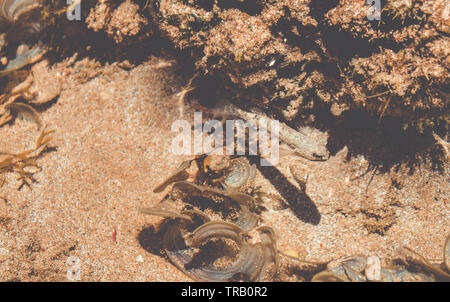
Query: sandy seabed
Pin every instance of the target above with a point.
(112, 147)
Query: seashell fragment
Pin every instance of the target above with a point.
(19, 21)
(12, 10)
(415, 258)
(249, 262)
(25, 55)
(326, 276)
(217, 229)
(351, 268)
(238, 173)
(269, 246)
(246, 220)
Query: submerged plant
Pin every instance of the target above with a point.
(21, 162)
(207, 246)
(404, 10)
(193, 230)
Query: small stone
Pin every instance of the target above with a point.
(338, 109)
(139, 259)
(291, 253)
(373, 268)
(3, 254)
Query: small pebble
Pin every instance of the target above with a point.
(373, 268)
(3, 254)
(139, 259)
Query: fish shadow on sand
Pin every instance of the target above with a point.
(297, 200)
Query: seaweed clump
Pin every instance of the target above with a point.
(123, 22)
(208, 238)
(213, 232)
(22, 162)
(409, 266)
(296, 57)
(22, 24)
